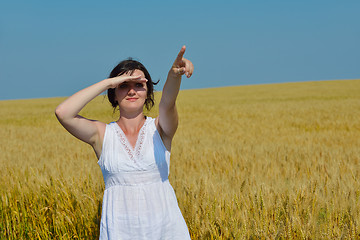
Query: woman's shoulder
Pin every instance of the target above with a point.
(110, 124)
(106, 129)
(150, 119)
(153, 121)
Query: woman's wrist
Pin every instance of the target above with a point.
(173, 75)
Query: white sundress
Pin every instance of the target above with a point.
(138, 202)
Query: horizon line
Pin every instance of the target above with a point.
(228, 86)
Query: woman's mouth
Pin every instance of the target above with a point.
(131, 99)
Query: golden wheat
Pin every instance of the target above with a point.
(277, 161)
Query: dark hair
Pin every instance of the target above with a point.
(129, 66)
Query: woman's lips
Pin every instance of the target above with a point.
(131, 99)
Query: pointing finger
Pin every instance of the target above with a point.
(181, 53)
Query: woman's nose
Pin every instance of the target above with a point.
(131, 91)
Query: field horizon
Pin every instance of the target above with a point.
(264, 161)
(191, 89)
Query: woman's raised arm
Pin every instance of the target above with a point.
(168, 117)
(85, 129)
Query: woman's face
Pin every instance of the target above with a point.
(131, 95)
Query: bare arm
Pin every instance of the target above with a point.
(85, 129)
(168, 117)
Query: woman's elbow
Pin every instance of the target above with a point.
(59, 112)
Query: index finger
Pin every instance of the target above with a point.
(140, 79)
(137, 79)
(181, 53)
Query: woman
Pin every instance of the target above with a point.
(134, 151)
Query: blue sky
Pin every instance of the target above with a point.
(55, 48)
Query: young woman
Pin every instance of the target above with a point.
(134, 151)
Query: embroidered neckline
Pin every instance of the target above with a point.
(133, 153)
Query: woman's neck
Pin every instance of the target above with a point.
(131, 124)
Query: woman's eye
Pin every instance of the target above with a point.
(124, 85)
(139, 85)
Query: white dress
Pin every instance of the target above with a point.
(138, 202)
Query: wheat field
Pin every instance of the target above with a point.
(276, 161)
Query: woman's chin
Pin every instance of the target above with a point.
(131, 108)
